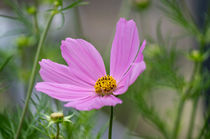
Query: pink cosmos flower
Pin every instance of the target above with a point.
(84, 83)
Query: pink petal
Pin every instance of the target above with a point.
(124, 48)
(94, 102)
(54, 72)
(64, 92)
(122, 86)
(134, 71)
(140, 57)
(138, 66)
(83, 58)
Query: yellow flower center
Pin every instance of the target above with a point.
(105, 85)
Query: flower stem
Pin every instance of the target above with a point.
(33, 73)
(196, 70)
(178, 118)
(205, 125)
(192, 119)
(110, 123)
(36, 25)
(58, 131)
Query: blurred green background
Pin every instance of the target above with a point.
(150, 105)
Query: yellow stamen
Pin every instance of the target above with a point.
(105, 85)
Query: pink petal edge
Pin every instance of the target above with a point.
(124, 48)
(64, 92)
(94, 102)
(132, 74)
(58, 73)
(83, 58)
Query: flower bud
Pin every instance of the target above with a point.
(141, 4)
(25, 41)
(22, 41)
(196, 56)
(58, 3)
(31, 10)
(57, 117)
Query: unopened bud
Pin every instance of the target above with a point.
(141, 4)
(31, 10)
(196, 56)
(58, 3)
(57, 116)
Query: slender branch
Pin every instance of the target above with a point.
(58, 131)
(36, 25)
(110, 123)
(192, 119)
(205, 125)
(196, 70)
(178, 118)
(32, 77)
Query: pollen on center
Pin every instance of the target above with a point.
(105, 85)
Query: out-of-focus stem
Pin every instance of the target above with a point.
(36, 25)
(205, 125)
(58, 131)
(110, 123)
(196, 70)
(192, 119)
(32, 77)
(178, 118)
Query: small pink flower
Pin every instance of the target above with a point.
(84, 83)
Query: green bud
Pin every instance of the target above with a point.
(196, 56)
(58, 3)
(22, 41)
(141, 4)
(57, 117)
(31, 10)
(25, 41)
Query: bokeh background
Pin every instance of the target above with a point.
(96, 23)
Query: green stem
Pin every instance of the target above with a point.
(58, 131)
(36, 25)
(196, 70)
(178, 118)
(192, 119)
(32, 77)
(110, 123)
(205, 125)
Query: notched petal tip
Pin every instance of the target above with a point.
(123, 20)
(43, 61)
(125, 47)
(143, 46)
(37, 86)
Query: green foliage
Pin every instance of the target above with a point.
(162, 73)
(36, 126)
(5, 62)
(174, 10)
(83, 122)
(160, 57)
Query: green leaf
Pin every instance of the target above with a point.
(9, 17)
(5, 62)
(74, 4)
